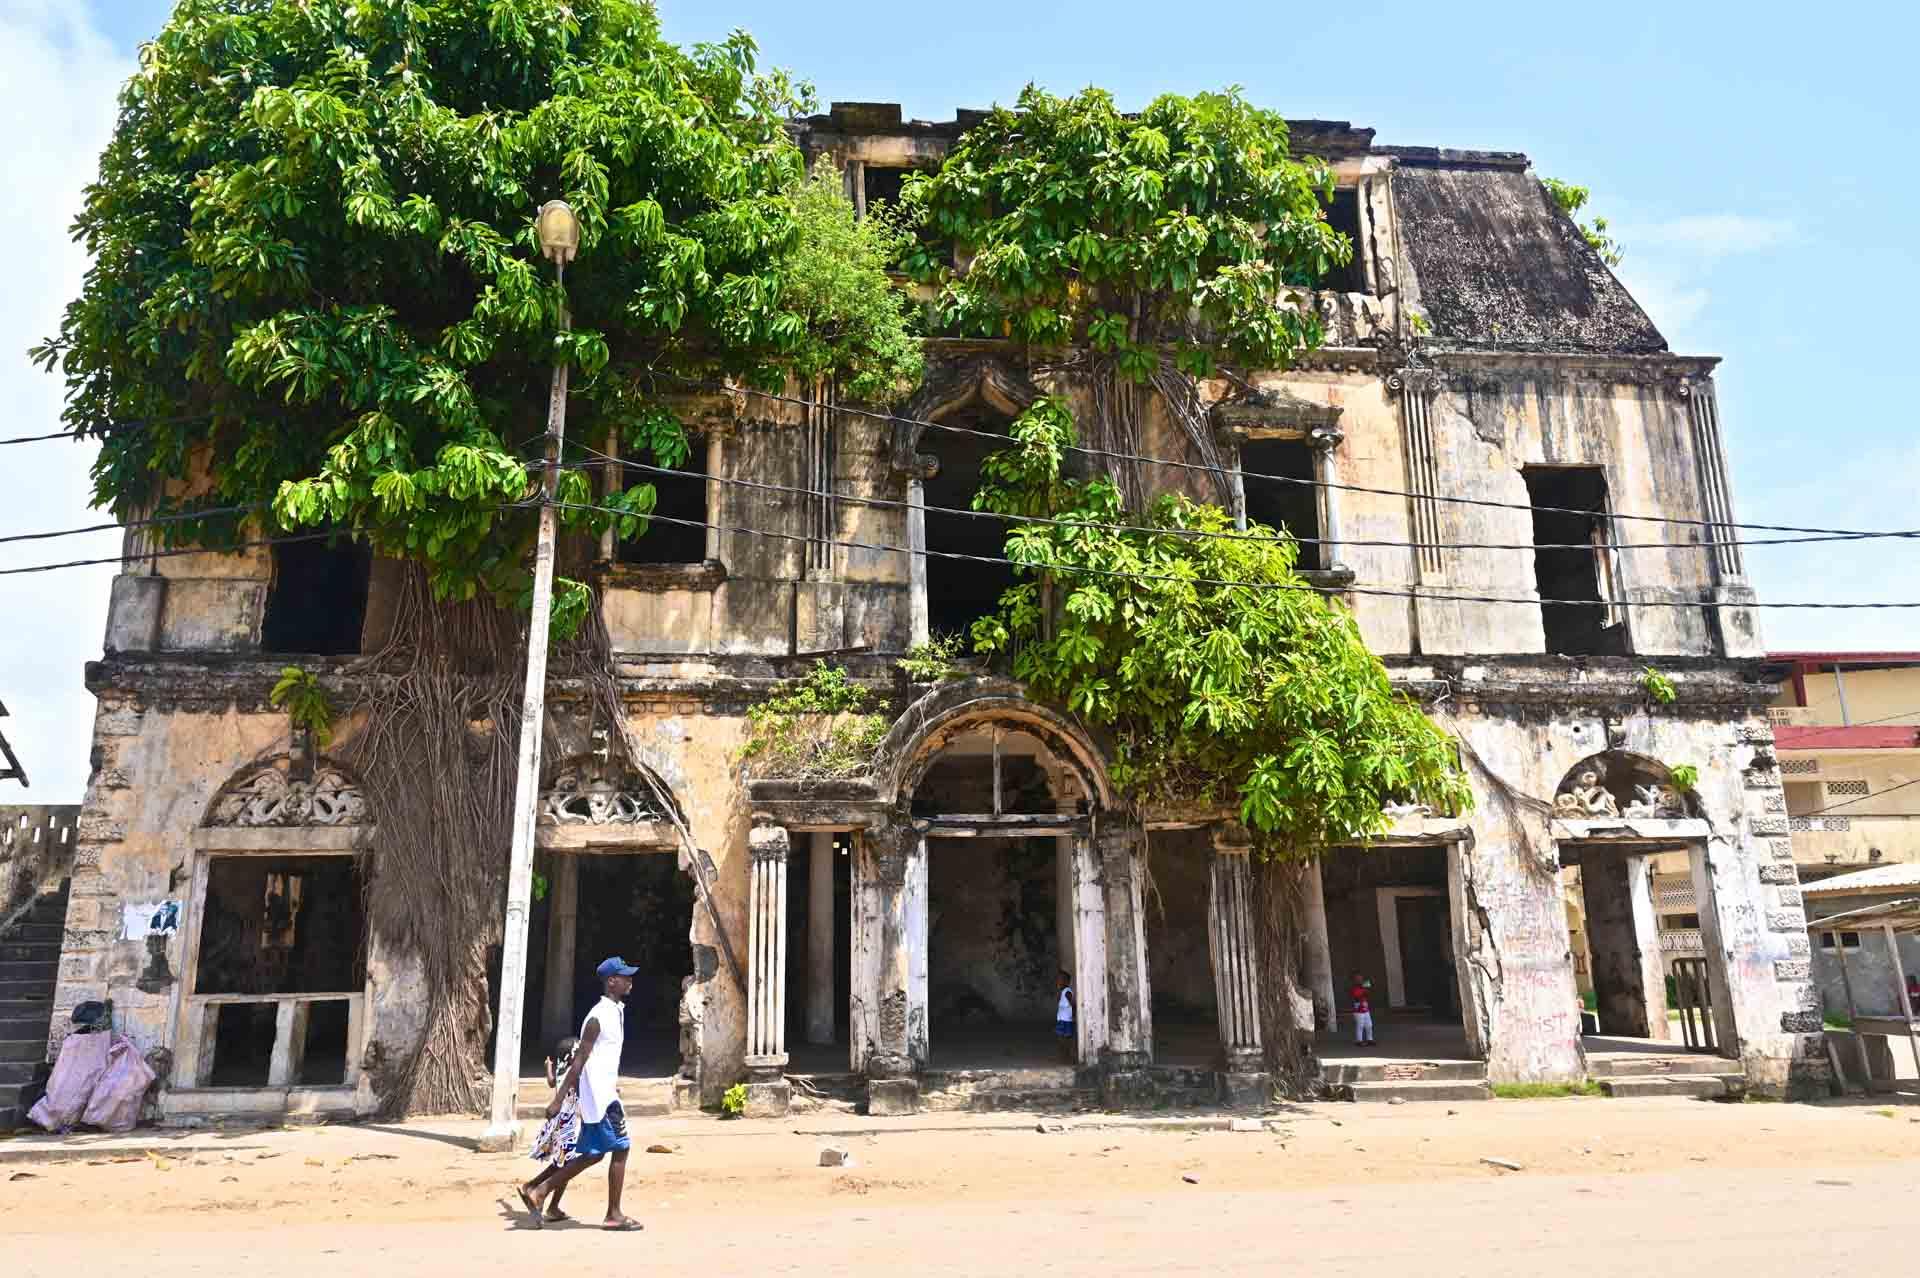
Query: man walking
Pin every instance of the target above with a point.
(603, 1124)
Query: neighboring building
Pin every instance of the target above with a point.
(1870, 968)
(1847, 725)
(933, 896)
(36, 856)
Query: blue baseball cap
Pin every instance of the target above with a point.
(615, 967)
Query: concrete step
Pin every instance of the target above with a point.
(29, 1026)
(25, 991)
(36, 975)
(23, 1049)
(1350, 1073)
(20, 1071)
(1703, 1086)
(35, 932)
(11, 1006)
(29, 952)
(1634, 1066)
(640, 1097)
(1424, 1090)
(1041, 1087)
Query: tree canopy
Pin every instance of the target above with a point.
(1175, 231)
(315, 281)
(1222, 674)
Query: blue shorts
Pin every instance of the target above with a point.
(608, 1136)
(1063, 1029)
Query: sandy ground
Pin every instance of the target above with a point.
(1760, 1188)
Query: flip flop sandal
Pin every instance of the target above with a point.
(556, 1215)
(533, 1212)
(627, 1225)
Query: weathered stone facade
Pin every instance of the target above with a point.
(1482, 352)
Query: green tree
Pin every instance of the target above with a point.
(1156, 248)
(1570, 199)
(315, 289)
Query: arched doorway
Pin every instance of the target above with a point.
(1632, 849)
(1001, 888)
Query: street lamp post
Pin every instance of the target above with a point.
(559, 232)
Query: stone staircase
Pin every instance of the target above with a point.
(29, 961)
(1410, 1080)
(1634, 1074)
(1044, 1088)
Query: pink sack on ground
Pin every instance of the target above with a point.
(83, 1058)
(115, 1106)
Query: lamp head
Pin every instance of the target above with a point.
(559, 231)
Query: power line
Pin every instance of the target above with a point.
(108, 429)
(1862, 798)
(134, 523)
(167, 554)
(1841, 533)
(1073, 569)
(887, 503)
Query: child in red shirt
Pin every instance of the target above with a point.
(1362, 996)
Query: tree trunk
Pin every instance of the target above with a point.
(1286, 1009)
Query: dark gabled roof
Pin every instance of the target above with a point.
(1500, 266)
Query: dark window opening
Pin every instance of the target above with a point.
(1682, 922)
(1589, 624)
(961, 590)
(1343, 214)
(678, 533)
(323, 1056)
(318, 600)
(1277, 503)
(243, 1044)
(883, 185)
(282, 925)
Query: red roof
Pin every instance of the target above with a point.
(1866, 736)
(1848, 658)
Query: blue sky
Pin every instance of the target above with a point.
(1749, 162)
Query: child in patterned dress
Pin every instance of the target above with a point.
(554, 1145)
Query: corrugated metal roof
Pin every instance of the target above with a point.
(1898, 877)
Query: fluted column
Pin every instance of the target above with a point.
(766, 1060)
(1236, 973)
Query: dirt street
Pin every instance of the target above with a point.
(1340, 1189)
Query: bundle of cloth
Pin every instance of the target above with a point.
(99, 1081)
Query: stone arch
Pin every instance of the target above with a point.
(1624, 784)
(283, 792)
(918, 737)
(983, 381)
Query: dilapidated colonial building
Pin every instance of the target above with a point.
(1488, 387)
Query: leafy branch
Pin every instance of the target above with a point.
(307, 705)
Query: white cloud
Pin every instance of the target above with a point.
(1710, 236)
(58, 100)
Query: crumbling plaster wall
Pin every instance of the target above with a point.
(1518, 987)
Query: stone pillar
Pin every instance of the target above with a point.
(1236, 972)
(917, 605)
(1088, 901)
(820, 984)
(1324, 440)
(768, 1093)
(1646, 940)
(1326, 1006)
(1129, 1051)
(563, 932)
(892, 1087)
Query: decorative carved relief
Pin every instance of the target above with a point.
(270, 798)
(1619, 785)
(591, 792)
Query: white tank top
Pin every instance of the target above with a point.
(600, 1076)
(1065, 1013)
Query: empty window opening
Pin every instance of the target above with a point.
(318, 600)
(883, 184)
(323, 1052)
(1389, 922)
(1186, 1011)
(959, 591)
(1279, 504)
(1343, 214)
(282, 925)
(1590, 624)
(678, 534)
(1848, 940)
(243, 1044)
(989, 771)
(1681, 922)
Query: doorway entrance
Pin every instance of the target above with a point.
(1180, 962)
(636, 905)
(819, 950)
(1390, 923)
